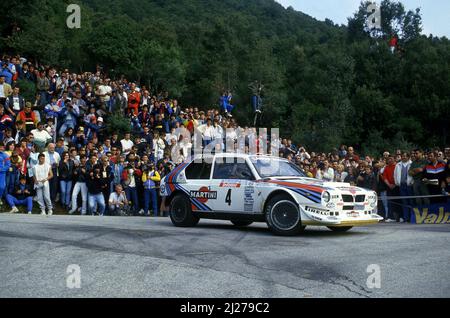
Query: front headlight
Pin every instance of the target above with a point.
(373, 198)
(326, 197)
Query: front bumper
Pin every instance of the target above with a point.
(316, 216)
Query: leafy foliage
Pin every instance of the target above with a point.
(324, 84)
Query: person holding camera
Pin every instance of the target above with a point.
(118, 201)
(95, 184)
(150, 178)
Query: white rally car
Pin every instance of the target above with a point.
(253, 188)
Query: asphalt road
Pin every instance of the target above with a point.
(145, 257)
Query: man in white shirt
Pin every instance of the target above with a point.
(326, 173)
(41, 136)
(208, 132)
(127, 144)
(117, 200)
(42, 173)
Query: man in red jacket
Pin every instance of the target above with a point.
(134, 99)
(392, 189)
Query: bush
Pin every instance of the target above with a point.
(27, 89)
(118, 123)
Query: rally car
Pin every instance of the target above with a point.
(255, 188)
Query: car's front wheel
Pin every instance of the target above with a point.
(341, 229)
(181, 212)
(241, 223)
(283, 216)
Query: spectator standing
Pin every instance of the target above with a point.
(52, 158)
(15, 103)
(79, 177)
(5, 164)
(150, 178)
(392, 190)
(42, 173)
(65, 176)
(434, 176)
(416, 171)
(95, 184)
(404, 182)
(5, 90)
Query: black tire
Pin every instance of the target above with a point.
(340, 229)
(283, 216)
(181, 213)
(241, 223)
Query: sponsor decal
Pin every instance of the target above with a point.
(432, 214)
(249, 199)
(231, 184)
(204, 194)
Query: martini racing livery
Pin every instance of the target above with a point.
(254, 188)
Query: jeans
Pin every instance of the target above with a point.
(12, 201)
(421, 189)
(2, 184)
(383, 196)
(54, 185)
(150, 195)
(12, 178)
(43, 196)
(65, 187)
(406, 191)
(80, 187)
(394, 208)
(132, 198)
(97, 201)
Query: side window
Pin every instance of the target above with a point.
(198, 171)
(232, 171)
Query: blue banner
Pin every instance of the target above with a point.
(431, 214)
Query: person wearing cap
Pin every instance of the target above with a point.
(22, 195)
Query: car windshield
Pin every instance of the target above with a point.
(274, 167)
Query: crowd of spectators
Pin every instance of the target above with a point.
(56, 148)
(425, 176)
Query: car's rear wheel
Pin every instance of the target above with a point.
(283, 216)
(241, 223)
(181, 213)
(340, 229)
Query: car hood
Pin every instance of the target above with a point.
(318, 184)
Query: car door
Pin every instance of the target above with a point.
(197, 185)
(233, 186)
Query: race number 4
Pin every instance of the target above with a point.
(228, 198)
